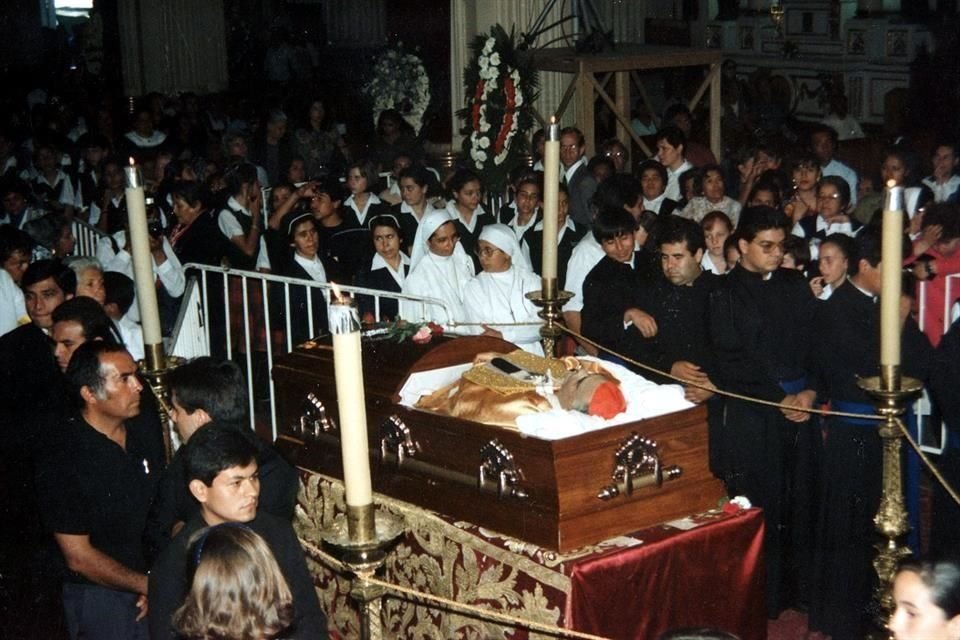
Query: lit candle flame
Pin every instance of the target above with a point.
(337, 293)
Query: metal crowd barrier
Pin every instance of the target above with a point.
(87, 237)
(215, 320)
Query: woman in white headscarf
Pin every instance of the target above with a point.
(498, 293)
(439, 268)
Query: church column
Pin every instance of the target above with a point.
(173, 46)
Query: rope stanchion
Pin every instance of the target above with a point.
(445, 603)
(821, 412)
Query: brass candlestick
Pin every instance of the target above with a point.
(891, 392)
(156, 366)
(361, 540)
(550, 300)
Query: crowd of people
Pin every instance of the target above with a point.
(758, 278)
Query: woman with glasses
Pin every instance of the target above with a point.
(832, 215)
(496, 298)
(439, 269)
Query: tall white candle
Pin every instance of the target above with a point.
(891, 268)
(142, 260)
(551, 188)
(348, 369)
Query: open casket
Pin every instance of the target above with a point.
(560, 494)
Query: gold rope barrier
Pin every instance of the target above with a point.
(441, 602)
(822, 412)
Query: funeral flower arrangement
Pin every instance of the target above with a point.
(500, 88)
(401, 330)
(399, 82)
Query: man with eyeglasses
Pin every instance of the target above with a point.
(580, 183)
(761, 321)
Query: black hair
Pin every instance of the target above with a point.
(651, 164)
(119, 290)
(804, 159)
(673, 135)
(799, 248)
(755, 220)
(596, 161)
(611, 223)
(697, 634)
(676, 229)
(942, 578)
(676, 109)
(12, 240)
(830, 131)
(333, 188)
(460, 179)
(617, 191)
(63, 276)
(945, 214)
(14, 185)
(420, 176)
(215, 448)
(769, 180)
(91, 317)
(45, 230)
(691, 174)
(842, 187)
(215, 386)
(297, 220)
(85, 369)
(573, 131)
(385, 220)
(239, 174)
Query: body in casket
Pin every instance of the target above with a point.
(558, 493)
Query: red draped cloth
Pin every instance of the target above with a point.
(710, 576)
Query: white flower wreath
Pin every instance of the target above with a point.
(400, 82)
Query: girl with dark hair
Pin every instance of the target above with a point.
(415, 182)
(388, 268)
(927, 595)
(466, 211)
(363, 202)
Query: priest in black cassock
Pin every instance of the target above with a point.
(679, 304)
(611, 310)
(847, 326)
(760, 327)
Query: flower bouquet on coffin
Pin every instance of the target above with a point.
(501, 87)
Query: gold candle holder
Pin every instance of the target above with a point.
(891, 392)
(156, 366)
(362, 539)
(550, 300)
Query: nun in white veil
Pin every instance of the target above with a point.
(498, 293)
(439, 268)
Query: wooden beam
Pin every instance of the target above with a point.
(622, 86)
(643, 96)
(620, 117)
(585, 111)
(565, 100)
(716, 110)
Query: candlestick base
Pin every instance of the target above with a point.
(155, 367)
(361, 540)
(551, 301)
(890, 391)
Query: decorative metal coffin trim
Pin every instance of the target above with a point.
(636, 464)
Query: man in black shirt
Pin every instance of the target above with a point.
(760, 326)
(95, 485)
(223, 477)
(847, 326)
(611, 309)
(202, 391)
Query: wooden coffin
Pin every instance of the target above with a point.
(559, 494)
